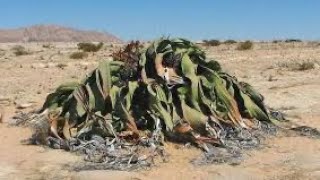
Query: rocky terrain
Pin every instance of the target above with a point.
(54, 33)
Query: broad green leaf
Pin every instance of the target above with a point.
(189, 71)
(195, 118)
(156, 96)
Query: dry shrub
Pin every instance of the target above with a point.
(48, 46)
(297, 66)
(276, 41)
(292, 40)
(247, 45)
(212, 42)
(19, 50)
(2, 52)
(90, 47)
(78, 55)
(306, 65)
(230, 41)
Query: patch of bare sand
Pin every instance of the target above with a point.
(28, 162)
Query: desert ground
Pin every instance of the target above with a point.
(287, 74)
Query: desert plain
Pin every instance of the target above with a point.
(286, 74)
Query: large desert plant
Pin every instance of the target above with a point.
(166, 90)
(171, 82)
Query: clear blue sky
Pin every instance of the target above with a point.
(195, 19)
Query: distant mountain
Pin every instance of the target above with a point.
(54, 33)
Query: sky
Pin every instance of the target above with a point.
(193, 19)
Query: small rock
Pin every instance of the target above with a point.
(50, 65)
(5, 100)
(41, 65)
(23, 105)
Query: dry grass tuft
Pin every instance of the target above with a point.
(61, 65)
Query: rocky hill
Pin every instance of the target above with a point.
(54, 33)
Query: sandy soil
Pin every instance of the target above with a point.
(268, 67)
